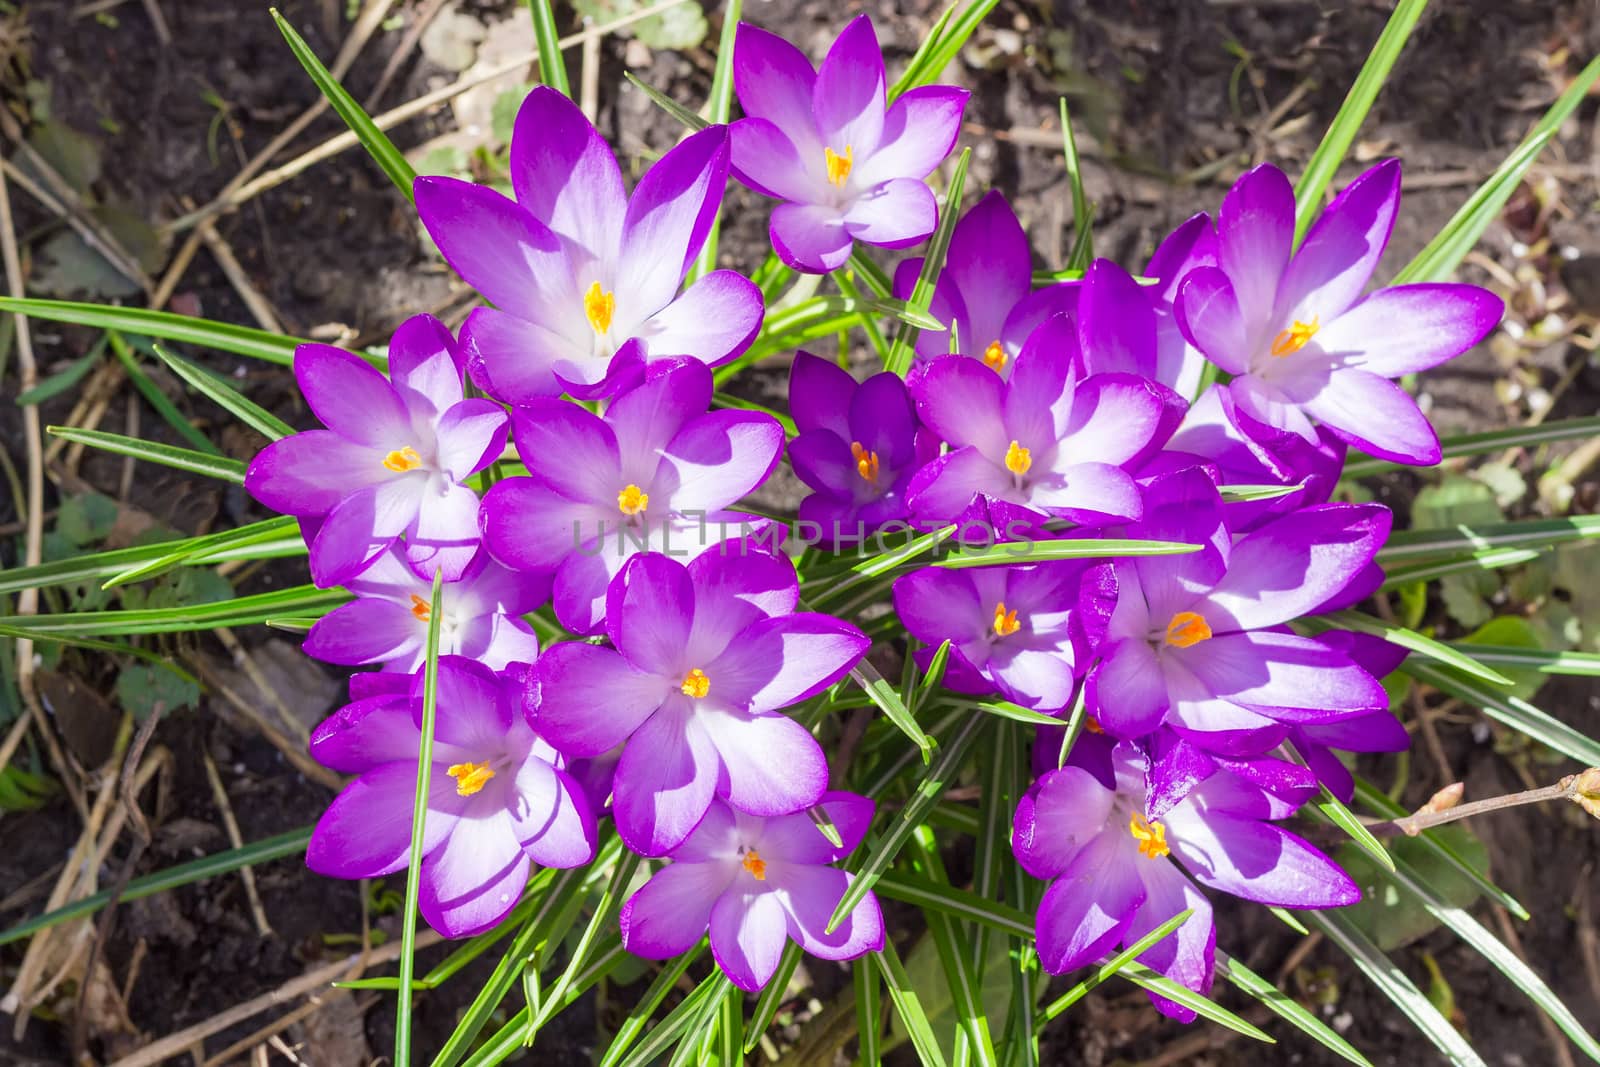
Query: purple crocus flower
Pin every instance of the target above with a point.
(1048, 442)
(387, 623)
(985, 291)
(757, 883)
(822, 141)
(498, 801)
(1198, 641)
(657, 472)
(1297, 335)
(857, 448)
(1378, 731)
(392, 460)
(1011, 629)
(1105, 831)
(584, 279)
(704, 657)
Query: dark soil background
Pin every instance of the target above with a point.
(1173, 100)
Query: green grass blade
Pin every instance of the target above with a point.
(869, 1014)
(419, 815)
(1492, 559)
(150, 656)
(97, 565)
(1111, 967)
(730, 1030)
(908, 1005)
(680, 1018)
(949, 37)
(905, 338)
(1330, 807)
(1082, 210)
(300, 600)
(871, 274)
(603, 919)
(1438, 261)
(1583, 664)
(1410, 640)
(887, 699)
(374, 140)
(274, 536)
(1412, 545)
(666, 103)
(552, 68)
(719, 107)
(1205, 1007)
(1394, 984)
(157, 399)
(61, 381)
(1512, 711)
(1014, 552)
(225, 396)
(1006, 710)
(772, 996)
(1476, 444)
(224, 337)
(1341, 133)
(663, 983)
(1287, 1008)
(957, 903)
(211, 466)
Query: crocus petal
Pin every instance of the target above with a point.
(1092, 494)
(797, 839)
(1208, 313)
(774, 81)
(732, 590)
(473, 712)
(368, 630)
(1118, 419)
(785, 660)
(1042, 677)
(670, 912)
(368, 732)
(1257, 861)
(944, 489)
(668, 218)
(961, 400)
(896, 214)
(665, 781)
(935, 604)
(1255, 230)
(990, 262)
(1376, 415)
(564, 173)
(1116, 322)
(1056, 818)
(650, 608)
(748, 932)
(809, 894)
(552, 820)
(1333, 263)
(309, 473)
(472, 435)
(351, 398)
(1410, 328)
(366, 831)
(714, 320)
(1088, 908)
(819, 394)
(1188, 954)
(445, 537)
(512, 359)
(720, 456)
(590, 700)
(919, 130)
(424, 358)
(848, 97)
(1297, 678)
(530, 527)
(810, 237)
(771, 764)
(474, 878)
(1128, 691)
(364, 524)
(768, 161)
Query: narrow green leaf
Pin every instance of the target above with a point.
(150, 656)
(663, 983)
(1341, 133)
(871, 274)
(1287, 1008)
(1438, 261)
(224, 337)
(273, 534)
(1205, 1007)
(158, 400)
(219, 467)
(474, 947)
(943, 44)
(905, 338)
(552, 68)
(882, 694)
(240, 611)
(1082, 210)
(603, 919)
(61, 381)
(1113, 966)
(908, 1006)
(1393, 983)
(730, 1029)
(678, 1020)
(1585, 664)
(252, 415)
(1512, 711)
(1475, 444)
(1412, 545)
(1235, 493)
(1491, 559)
(869, 1015)
(1006, 710)
(956, 903)
(772, 996)
(374, 140)
(97, 565)
(667, 104)
(1010, 553)
(1330, 807)
(1407, 639)
(719, 106)
(929, 684)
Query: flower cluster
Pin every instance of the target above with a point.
(1106, 406)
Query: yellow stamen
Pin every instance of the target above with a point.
(631, 501)
(1152, 837)
(753, 863)
(402, 460)
(838, 166)
(1295, 337)
(598, 307)
(994, 357)
(1187, 628)
(695, 684)
(1092, 724)
(420, 608)
(470, 777)
(1005, 622)
(1018, 459)
(866, 463)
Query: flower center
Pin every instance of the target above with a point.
(1292, 340)
(1018, 459)
(632, 500)
(470, 777)
(1005, 622)
(866, 463)
(420, 609)
(1187, 628)
(753, 863)
(994, 357)
(402, 460)
(695, 684)
(598, 307)
(1152, 837)
(838, 166)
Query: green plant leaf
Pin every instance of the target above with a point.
(887, 699)
(224, 337)
(1111, 967)
(1407, 639)
(943, 44)
(1473, 444)
(1517, 714)
(909, 1008)
(1014, 552)
(1392, 918)
(552, 68)
(219, 467)
(252, 415)
(900, 352)
(305, 600)
(1287, 1008)
(64, 379)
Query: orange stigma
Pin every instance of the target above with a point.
(695, 684)
(631, 501)
(1152, 837)
(866, 463)
(1005, 622)
(994, 357)
(753, 863)
(598, 307)
(1018, 459)
(402, 460)
(420, 609)
(1292, 340)
(1092, 724)
(1187, 628)
(838, 166)
(470, 777)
